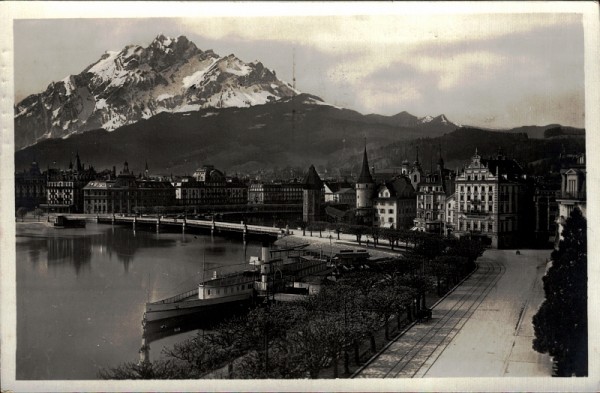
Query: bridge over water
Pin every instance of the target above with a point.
(185, 223)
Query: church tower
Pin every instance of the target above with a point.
(312, 196)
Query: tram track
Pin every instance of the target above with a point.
(434, 338)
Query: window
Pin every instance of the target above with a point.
(390, 219)
(391, 211)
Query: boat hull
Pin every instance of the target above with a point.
(207, 307)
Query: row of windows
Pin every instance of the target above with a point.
(477, 188)
(230, 290)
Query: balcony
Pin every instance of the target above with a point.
(578, 195)
(476, 213)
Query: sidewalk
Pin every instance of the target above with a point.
(329, 243)
(482, 329)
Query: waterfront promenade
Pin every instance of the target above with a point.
(482, 329)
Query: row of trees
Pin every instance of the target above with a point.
(560, 325)
(23, 211)
(300, 339)
(394, 237)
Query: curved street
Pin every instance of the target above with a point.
(482, 329)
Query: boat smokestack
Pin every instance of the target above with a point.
(265, 252)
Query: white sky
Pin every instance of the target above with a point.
(490, 70)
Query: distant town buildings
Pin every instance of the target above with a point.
(209, 187)
(491, 199)
(127, 194)
(64, 189)
(275, 193)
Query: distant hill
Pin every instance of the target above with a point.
(457, 148)
(548, 131)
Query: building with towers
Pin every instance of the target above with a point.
(432, 192)
(312, 196)
(127, 194)
(492, 202)
(64, 189)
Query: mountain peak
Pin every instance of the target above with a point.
(122, 87)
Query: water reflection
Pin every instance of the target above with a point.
(81, 293)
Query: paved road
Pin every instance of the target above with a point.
(481, 329)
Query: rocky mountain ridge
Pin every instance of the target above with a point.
(169, 75)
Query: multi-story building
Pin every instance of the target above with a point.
(450, 222)
(30, 187)
(345, 196)
(64, 189)
(127, 195)
(491, 202)
(212, 191)
(432, 192)
(275, 193)
(395, 204)
(572, 193)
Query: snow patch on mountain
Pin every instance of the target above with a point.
(197, 77)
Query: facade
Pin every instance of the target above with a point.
(395, 204)
(127, 195)
(450, 213)
(365, 193)
(491, 202)
(30, 187)
(312, 196)
(572, 193)
(64, 189)
(275, 193)
(432, 192)
(190, 192)
(345, 196)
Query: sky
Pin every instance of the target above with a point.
(486, 70)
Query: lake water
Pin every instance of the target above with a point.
(81, 293)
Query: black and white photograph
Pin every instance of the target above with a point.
(287, 196)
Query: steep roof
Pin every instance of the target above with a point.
(312, 181)
(400, 187)
(365, 174)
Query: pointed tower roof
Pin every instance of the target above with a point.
(312, 181)
(365, 174)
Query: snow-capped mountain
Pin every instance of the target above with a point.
(170, 75)
(441, 119)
